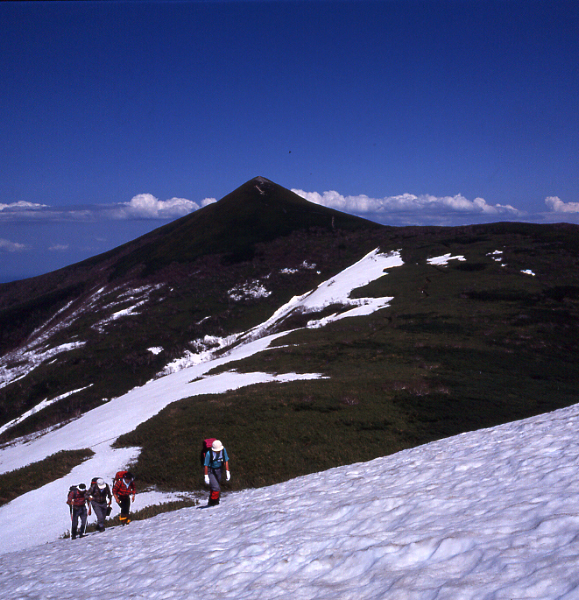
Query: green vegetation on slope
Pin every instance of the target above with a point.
(15, 483)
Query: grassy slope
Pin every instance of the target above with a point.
(469, 345)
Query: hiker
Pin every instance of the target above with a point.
(98, 494)
(123, 489)
(215, 458)
(77, 500)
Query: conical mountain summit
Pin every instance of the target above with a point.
(257, 212)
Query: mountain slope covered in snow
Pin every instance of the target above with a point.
(99, 428)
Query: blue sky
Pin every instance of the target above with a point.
(116, 117)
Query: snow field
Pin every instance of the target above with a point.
(489, 515)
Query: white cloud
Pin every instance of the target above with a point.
(141, 206)
(555, 204)
(9, 246)
(20, 206)
(146, 206)
(363, 204)
(58, 247)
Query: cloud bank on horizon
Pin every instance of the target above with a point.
(141, 206)
(426, 209)
(407, 208)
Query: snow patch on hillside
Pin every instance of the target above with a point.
(40, 406)
(138, 296)
(17, 365)
(250, 290)
(443, 260)
(334, 291)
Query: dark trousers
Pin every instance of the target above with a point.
(214, 486)
(125, 502)
(79, 513)
(215, 479)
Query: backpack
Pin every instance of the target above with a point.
(97, 494)
(205, 447)
(118, 477)
(76, 497)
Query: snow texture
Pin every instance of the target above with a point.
(489, 515)
(443, 260)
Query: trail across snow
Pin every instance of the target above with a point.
(487, 515)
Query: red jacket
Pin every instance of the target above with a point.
(76, 497)
(122, 489)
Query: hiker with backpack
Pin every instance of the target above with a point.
(215, 459)
(98, 494)
(77, 500)
(123, 489)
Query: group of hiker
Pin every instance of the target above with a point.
(98, 496)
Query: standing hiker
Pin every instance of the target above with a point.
(123, 489)
(77, 500)
(98, 494)
(215, 458)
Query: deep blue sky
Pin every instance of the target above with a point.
(118, 116)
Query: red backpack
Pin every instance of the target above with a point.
(118, 476)
(205, 447)
(120, 485)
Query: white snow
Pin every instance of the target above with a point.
(335, 291)
(249, 290)
(443, 260)
(17, 366)
(497, 255)
(41, 405)
(528, 272)
(489, 515)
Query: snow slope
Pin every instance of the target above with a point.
(486, 515)
(34, 519)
